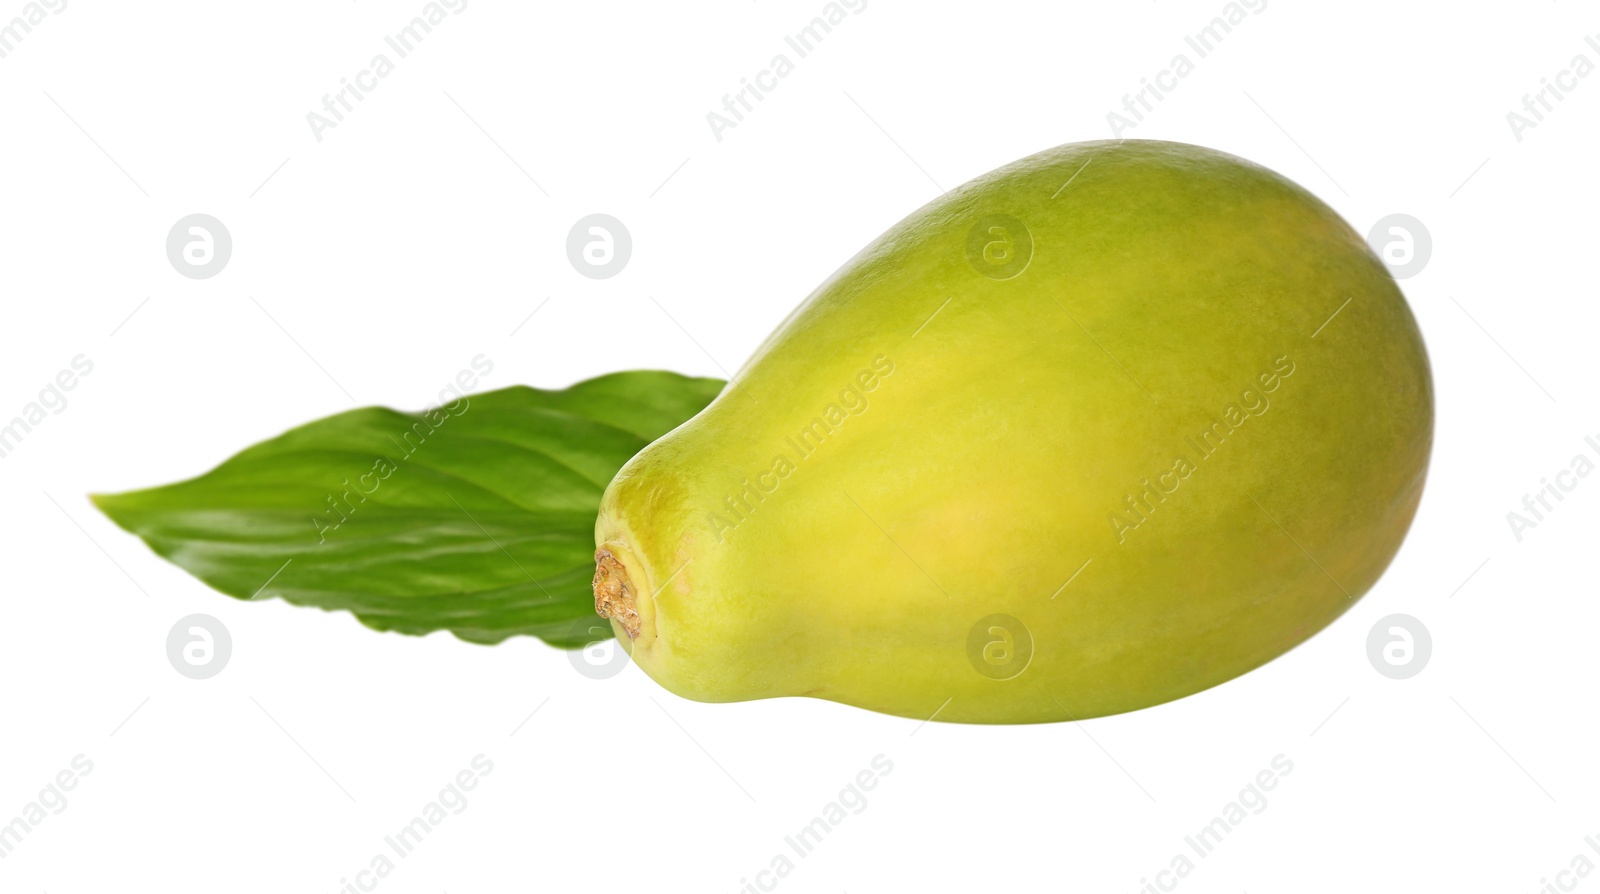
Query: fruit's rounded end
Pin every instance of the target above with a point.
(614, 593)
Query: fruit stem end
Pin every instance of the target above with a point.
(613, 592)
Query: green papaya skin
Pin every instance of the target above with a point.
(1100, 429)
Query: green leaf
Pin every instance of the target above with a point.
(476, 517)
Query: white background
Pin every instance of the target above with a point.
(429, 224)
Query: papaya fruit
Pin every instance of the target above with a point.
(1099, 429)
